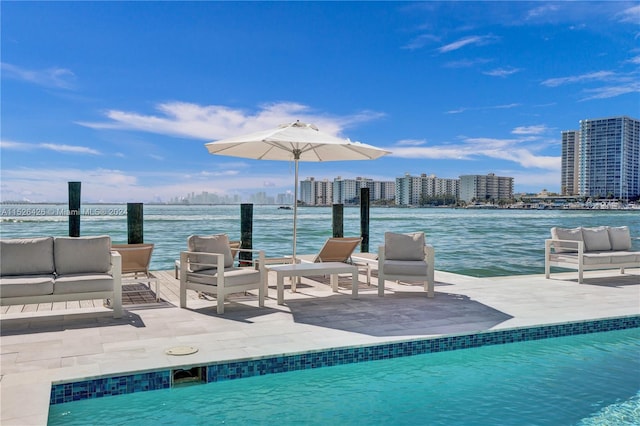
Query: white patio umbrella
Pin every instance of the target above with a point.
(298, 142)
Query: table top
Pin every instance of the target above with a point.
(326, 267)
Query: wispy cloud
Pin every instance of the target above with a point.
(421, 41)
(631, 15)
(471, 40)
(502, 72)
(521, 149)
(411, 142)
(467, 63)
(73, 149)
(530, 130)
(593, 76)
(464, 109)
(60, 78)
(214, 122)
(614, 84)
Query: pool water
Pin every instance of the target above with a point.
(589, 379)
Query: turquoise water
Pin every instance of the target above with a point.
(579, 380)
(471, 242)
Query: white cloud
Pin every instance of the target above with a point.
(60, 78)
(502, 72)
(215, 122)
(521, 150)
(606, 92)
(593, 76)
(631, 15)
(463, 109)
(73, 149)
(530, 130)
(411, 142)
(475, 40)
(420, 41)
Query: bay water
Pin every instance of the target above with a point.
(475, 242)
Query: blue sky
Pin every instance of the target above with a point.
(122, 96)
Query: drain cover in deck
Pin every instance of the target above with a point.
(181, 350)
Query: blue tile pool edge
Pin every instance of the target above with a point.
(230, 370)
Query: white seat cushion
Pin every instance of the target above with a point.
(596, 239)
(405, 267)
(404, 246)
(232, 277)
(26, 285)
(26, 256)
(83, 283)
(620, 237)
(218, 243)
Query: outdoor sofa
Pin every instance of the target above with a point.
(57, 269)
(601, 247)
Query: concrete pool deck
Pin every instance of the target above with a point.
(49, 345)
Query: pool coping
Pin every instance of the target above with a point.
(142, 381)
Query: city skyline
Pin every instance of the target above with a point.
(449, 87)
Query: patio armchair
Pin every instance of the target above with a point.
(208, 267)
(406, 258)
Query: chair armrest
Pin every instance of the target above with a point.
(116, 265)
(217, 260)
(551, 244)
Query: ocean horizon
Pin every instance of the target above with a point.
(474, 242)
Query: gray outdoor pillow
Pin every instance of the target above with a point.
(571, 234)
(404, 246)
(620, 238)
(26, 256)
(596, 239)
(218, 243)
(82, 255)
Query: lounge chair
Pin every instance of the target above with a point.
(208, 267)
(406, 258)
(136, 259)
(338, 250)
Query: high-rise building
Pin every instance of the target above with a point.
(609, 157)
(412, 190)
(570, 157)
(316, 192)
(485, 188)
(347, 191)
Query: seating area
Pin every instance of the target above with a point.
(207, 266)
(54, 269)
(593, 248)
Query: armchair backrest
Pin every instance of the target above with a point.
(136, 258)
(337, 249)
(404, 246)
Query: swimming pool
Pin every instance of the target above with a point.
(576, 380)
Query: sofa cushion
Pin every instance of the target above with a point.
(26, 285)
(232, 276)
(620, 237)
(405, 267)
(83, 283)
(404, 246)
(597, 258)
(571, 234)
(596, 239)
(218, 243)
(26, 256)
(626, 257)
(82, 255)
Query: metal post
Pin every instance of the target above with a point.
(74, 209)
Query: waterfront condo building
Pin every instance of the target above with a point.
(570, 157)
(412, 190)
(609, 158)
(483, 188)
(316, 192)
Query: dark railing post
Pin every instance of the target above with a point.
(74, 209)
(337, 219)
(135, 223)
(246, 233)
(364, 219)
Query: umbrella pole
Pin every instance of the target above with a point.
(295, 211)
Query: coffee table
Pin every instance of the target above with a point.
(311, 269)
